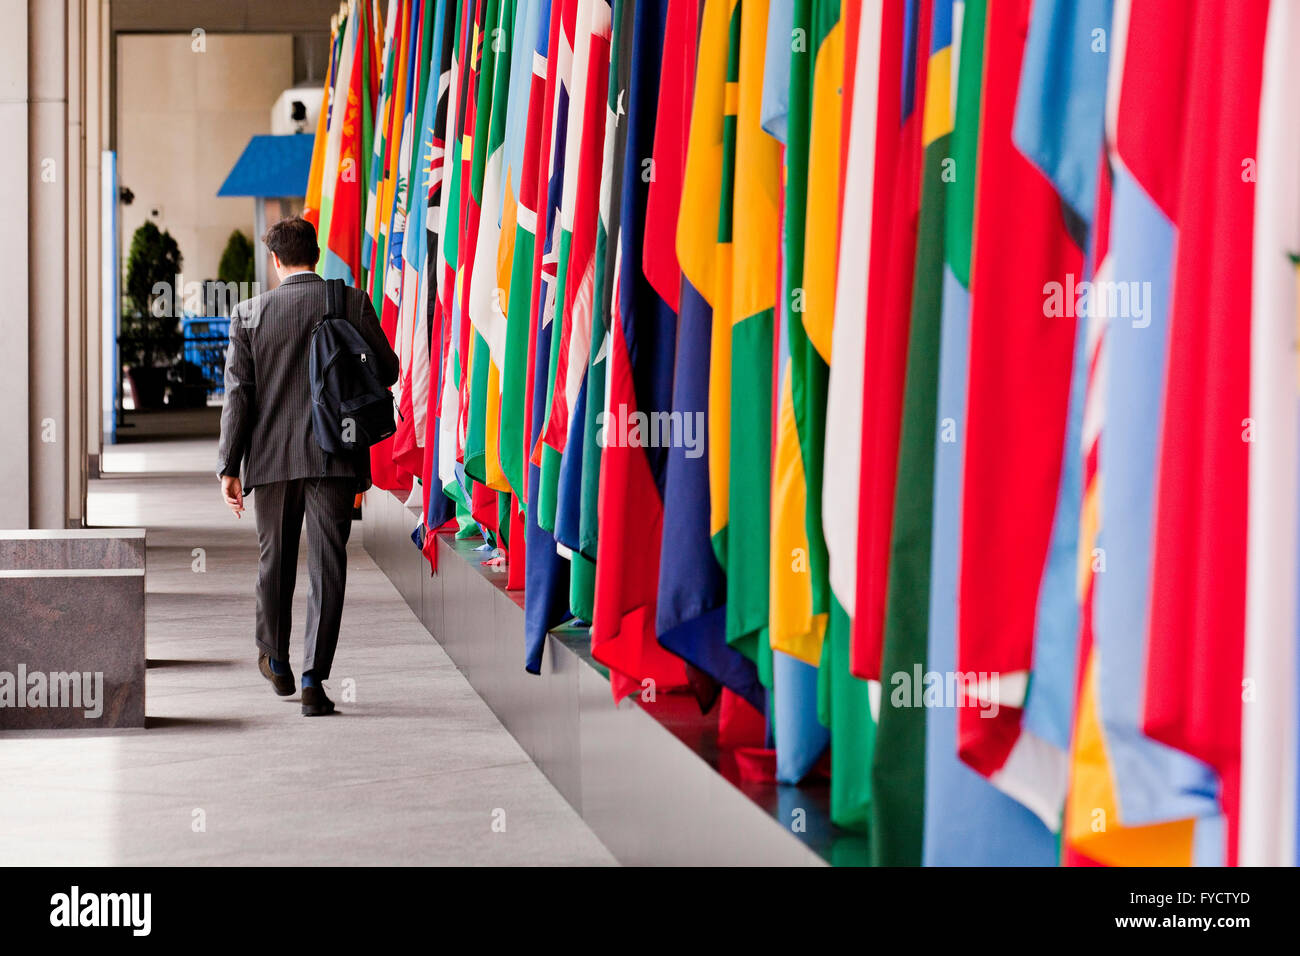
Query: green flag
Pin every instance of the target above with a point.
(898, 770)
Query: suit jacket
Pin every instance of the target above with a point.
(266, 422)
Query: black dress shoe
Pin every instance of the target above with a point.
(283, 683)
(315, 703)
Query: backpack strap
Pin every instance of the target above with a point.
(335, 299)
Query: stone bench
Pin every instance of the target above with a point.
(72, 629)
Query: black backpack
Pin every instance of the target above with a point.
(350, 407)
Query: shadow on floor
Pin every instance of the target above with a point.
(190, 723)
(169, 424)
(153, 662)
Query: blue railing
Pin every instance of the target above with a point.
(206, 338)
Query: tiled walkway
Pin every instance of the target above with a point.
(414, 770)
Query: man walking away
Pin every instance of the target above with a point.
(266, 427)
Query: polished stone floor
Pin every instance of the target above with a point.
(414, 770)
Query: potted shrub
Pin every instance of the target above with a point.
(151, 339)
(237, 265)
(188, 385)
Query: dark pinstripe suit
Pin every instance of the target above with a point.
(266, 425)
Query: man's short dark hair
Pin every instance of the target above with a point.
(294, 241)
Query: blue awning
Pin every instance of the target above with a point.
(271, 166)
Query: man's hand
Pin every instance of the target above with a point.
(233, 492)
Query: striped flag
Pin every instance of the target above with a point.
(387, 146)
(438, 508)
(450, 425)
(586, 534)
(749, 222)
(316, 174)
(872, 76)
(505, 436)
(1066, 61)
(641, 343)
(392, 199)
(486, 311)
(370, 253)
(480, 146)
(679, 261)
(1014, 448)
(342, 248)
(450, 470)
(488, 294)
(898, 768)
(801, 99)
(1148, 796)
(717, 26)
(581, 205)
(339, 105)
(574, 82)
(968, 821)
(413, 331)
(461, 254)
(889, 310)
(579, 307)
(520, 305)
(547, 574)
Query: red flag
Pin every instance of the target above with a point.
(562, 17)
(1021, 360)
(469, 216)
(516, 552)
(1198, 588)
(344, 240)
(642, 331)
(575, 315)
(672, 129)
(384, 471)
(896, 203)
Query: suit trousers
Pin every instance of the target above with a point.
(281, 506)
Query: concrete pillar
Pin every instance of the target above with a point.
(91, 105)
(14, 471)
(13, 264)
(75, 374)
(48, 174)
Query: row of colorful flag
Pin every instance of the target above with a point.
(917, 376)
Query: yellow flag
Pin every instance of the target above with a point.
(704, 254)
(1092, 824)
(793, 627)
(822, 227)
